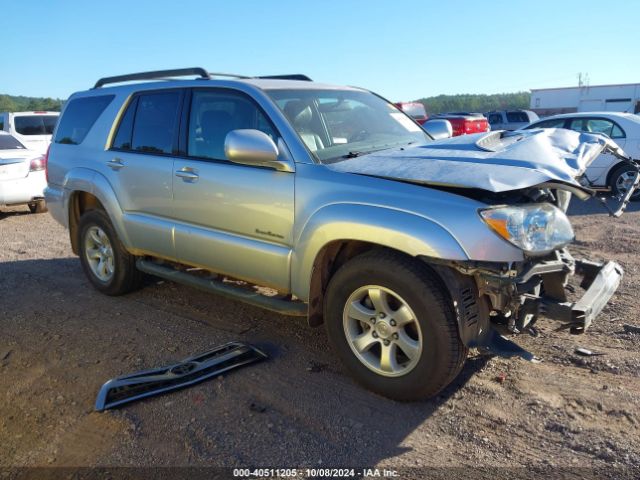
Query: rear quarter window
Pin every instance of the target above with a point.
(7, 142)
(150, 123)
(79, 117)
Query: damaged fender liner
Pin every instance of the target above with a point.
(188, 372)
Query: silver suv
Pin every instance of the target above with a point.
(409, 250)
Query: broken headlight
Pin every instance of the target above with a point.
(537, 229)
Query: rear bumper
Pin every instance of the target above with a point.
(600, 281)
(23, 190)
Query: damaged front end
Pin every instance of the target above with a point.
(493, 300)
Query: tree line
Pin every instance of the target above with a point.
(10, 103)
(475, 102)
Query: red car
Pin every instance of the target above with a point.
(464, 123)
(415, 110)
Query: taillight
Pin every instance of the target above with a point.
(457, 126)
(37, 164)
(45, 161)
(468, 126)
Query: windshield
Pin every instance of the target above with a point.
(337, 124)
(7, 142)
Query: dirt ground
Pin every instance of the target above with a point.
(60, 340)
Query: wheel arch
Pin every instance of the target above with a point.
(87, 190)
(339, 232)
(613, 169)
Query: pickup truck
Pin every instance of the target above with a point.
(410, 247)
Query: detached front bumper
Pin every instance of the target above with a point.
(518, 297)
(493, 300)
(600, 281)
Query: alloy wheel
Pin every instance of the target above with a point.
(382, 331)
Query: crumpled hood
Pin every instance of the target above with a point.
(495, 161)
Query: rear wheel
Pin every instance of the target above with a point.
(393, 326)
(38, 207)
(106, 263)
(621, 180)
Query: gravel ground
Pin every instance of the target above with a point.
(61, 340)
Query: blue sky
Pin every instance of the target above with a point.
(401, 49)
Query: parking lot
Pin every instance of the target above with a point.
(61, 340)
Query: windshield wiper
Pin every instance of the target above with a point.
(354, 154)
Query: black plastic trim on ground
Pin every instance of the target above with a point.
(192, 370)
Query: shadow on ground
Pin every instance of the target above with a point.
(298, 408)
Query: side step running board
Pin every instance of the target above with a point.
(188, 372)
(275, 304)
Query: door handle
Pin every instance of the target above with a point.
(187, 175)
(115, 164)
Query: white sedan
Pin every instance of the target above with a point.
(22, 175)
(623, 128)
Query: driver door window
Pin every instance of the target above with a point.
(214, 114)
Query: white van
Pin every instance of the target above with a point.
(32, 129)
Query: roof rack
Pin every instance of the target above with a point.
(292, 76)
(231, 75)
(183, 72)
(157, 74)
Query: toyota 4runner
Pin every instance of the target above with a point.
(410, 250)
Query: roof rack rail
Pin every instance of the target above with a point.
(292, 76)
(230, 75)
(157, 74)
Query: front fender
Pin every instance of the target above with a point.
(90, 181)
(406, 232)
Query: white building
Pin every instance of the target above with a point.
(615, 98)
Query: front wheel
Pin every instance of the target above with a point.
(108, 266)
(393, 326)
(621, 180)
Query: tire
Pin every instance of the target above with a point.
(38, 207)
(117, 274)
(618, 177)
(404, 282)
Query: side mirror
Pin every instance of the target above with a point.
(253, 147)
(438, 128)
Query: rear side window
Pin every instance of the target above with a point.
(79, 117)
(150, 123)
(35, 124)
(495, 118)
(517, 117)
(597, 125)
(555, 123)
